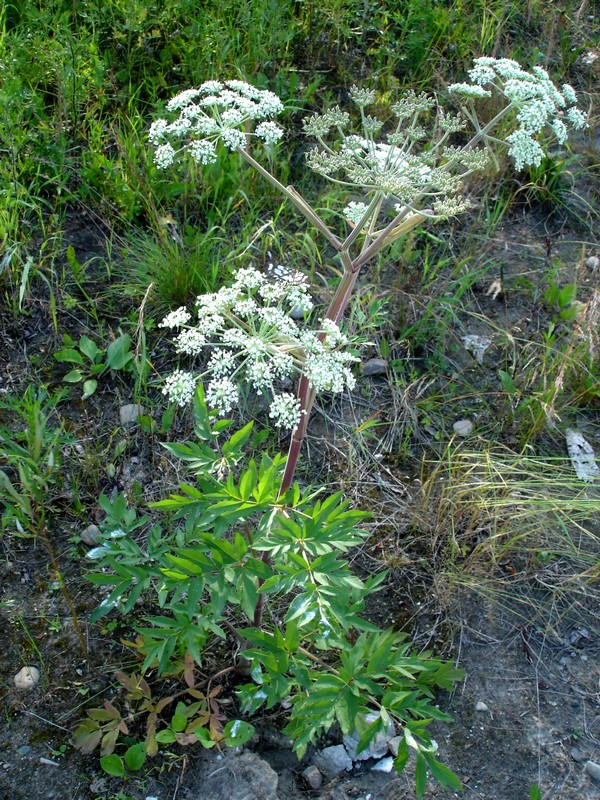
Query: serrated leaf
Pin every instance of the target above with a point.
(420, 775)
(442, 774)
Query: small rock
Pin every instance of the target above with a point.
(593, 262)
(23, 750)
(463, 427)
(130, 413)
(385, 765)
(297, 313)
(394, 744)
(237, 776)
(481, 706)
(376, 749)
(91, 535)
(332, 761)
(48, 762)
(27, 678)
(577, 755)
(374, 366)
(313, 777)
(593, 770)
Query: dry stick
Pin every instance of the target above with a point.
(44, 536)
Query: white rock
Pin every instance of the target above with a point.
(593, 770)
(385, 765)
(481, 706)
(130, 413)
(376, 749)
(332, 761)
(476, 345)
(582, 456)
(593, 262)
(27, 678)
(394, 744)
(463, 427)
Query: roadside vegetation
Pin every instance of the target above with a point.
(216, 553)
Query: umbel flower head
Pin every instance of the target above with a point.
(416, 162)
(248, 336)
(536, 101)
(211, 113)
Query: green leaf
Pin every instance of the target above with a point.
(118, 354)
(167, 736)
(442, 774)
(89, 387)
(566, 295)
(135, 756)
(534, 792)
(401, 759)
(179, 722)
(113, 765)
(237, 732)
(74, 376)
(69, 355)
(420, 775)
(89, 348)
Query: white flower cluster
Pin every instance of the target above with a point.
(212, 112)
(394, 167)
(537, 101)
(249, 337)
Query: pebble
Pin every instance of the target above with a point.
(576, 754)
(130, 413)
(394, 744)
(377, 748)
(481, 706)
(374, 366)
(27, 678)
(24, 749)
(593, 770)
(593, 262)
(313, 777)
(91, 535)
(463, 427)
(385, 765)
(332, 761)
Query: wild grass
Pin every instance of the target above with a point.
(519, 528)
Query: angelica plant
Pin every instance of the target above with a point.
(420, 163)
(255, 558)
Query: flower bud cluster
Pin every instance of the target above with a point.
(248, 336)
(394, 166)
(537, 101)
(211, 113)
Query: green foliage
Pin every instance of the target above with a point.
(240, 542)
(91, 361)
(31, 459)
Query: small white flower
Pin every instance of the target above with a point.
(468, 90)
(233, 138)
(175, 319)
(191, 342)
(355, 212)
(269, 132)
(285, 411)
(222, 394)
(222, 363)
(577, 118)
(202, 151)
(180, 387)
(524, 150)
(164, 155)
(157, 131)
(569, 94)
